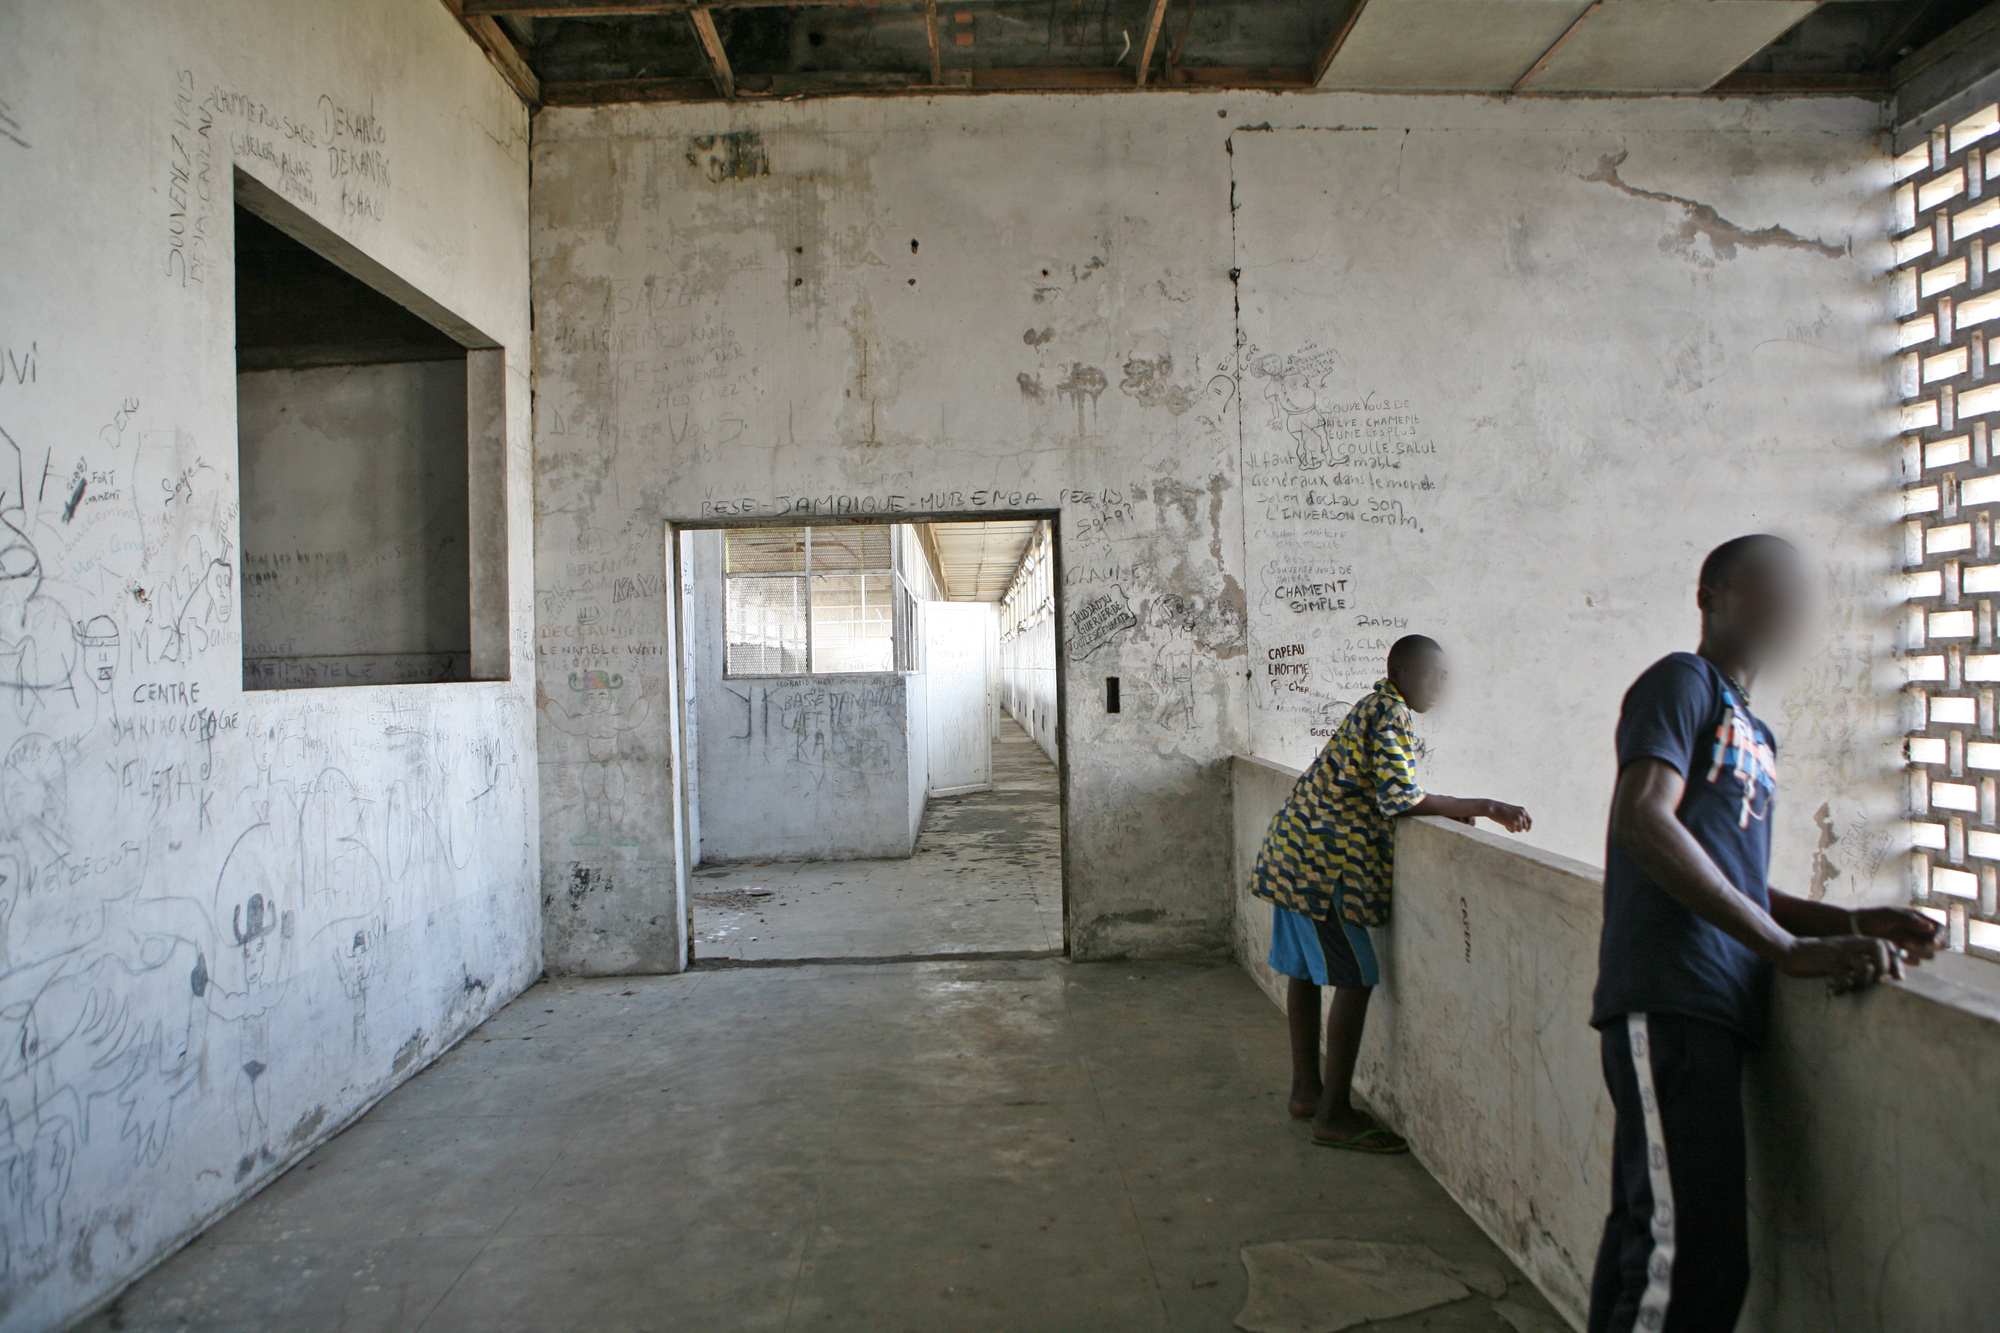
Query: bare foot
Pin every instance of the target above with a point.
(1303, 1104)
(1334, 1125)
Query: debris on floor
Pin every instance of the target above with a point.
(1322, 1286)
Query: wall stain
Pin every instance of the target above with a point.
(1151, 383)
(1723, 235)
(736, 156)
(308, 1125)
(1082, 382)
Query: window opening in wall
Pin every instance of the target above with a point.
(1943, 207)
(371, 450)
(816, 601)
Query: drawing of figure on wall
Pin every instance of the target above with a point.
(98, 638)
(357, 954)
(1290, 387)
(35, 1160)
(338, 863)
(1169, 628)
(249, 930)
(597, 723)
(249, 975)
(37, 638)
(34, 811)
(103, 1035)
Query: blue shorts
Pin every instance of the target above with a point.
(1326, 953)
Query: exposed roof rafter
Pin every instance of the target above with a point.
(1342, 29)
(500, 49)
(781, 49)
(931, 35)
(711, 45)
(1542, 61)
(1153, 21)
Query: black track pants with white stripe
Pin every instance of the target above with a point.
(1676, 1250)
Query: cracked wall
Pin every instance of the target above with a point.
(228, 921)
(1507, 379)
(1578, 342)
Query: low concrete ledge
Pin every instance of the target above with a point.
(1874, 1119)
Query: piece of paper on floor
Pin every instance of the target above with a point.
(1523, 1320)
(1322, 1286)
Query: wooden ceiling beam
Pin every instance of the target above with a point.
(1032, 79)
(1865, 83)
(500, 49)
(554, 9)
(1342, 29)
(1542, 60)
(711, 45)
(931, 35)
(1153, 21)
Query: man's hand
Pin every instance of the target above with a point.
(1853, 962)
(1905, 928)
(1510, 817)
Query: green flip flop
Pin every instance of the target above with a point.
(1378, 1141)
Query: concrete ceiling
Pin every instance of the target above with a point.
(978, 560)
(583, 52)
(1555, 45)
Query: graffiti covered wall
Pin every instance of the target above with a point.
(228, 920)
(1301, 374)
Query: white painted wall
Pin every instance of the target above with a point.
(1506, 383)
(330, 884)
(916, 726)
(1875, 1193)
(1028, 682)
(795, 767)
(355, 545)
(958, 693)
(1625, 330)
(1026, 647)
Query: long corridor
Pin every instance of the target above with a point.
(1026, 1146)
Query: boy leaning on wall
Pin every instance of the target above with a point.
(1327, 866)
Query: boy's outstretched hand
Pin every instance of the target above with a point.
(1465, 809)
(1905, 928)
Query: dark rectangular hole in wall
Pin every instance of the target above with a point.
(1111, 694)
(352, 437)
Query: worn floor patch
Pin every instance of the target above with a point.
(1322, 1286)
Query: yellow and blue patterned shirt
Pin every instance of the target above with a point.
(1334, 842)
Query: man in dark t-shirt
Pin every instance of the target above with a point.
(1691, 936)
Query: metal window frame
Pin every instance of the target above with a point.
(896, 631)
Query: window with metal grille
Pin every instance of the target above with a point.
(800, 601)
(1945, 206)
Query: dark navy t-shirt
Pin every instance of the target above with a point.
(1655, 956)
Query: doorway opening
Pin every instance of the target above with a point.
(871, 740)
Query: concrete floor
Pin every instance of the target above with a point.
(1018, 1145)
(904, 1148)
(986, 878)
